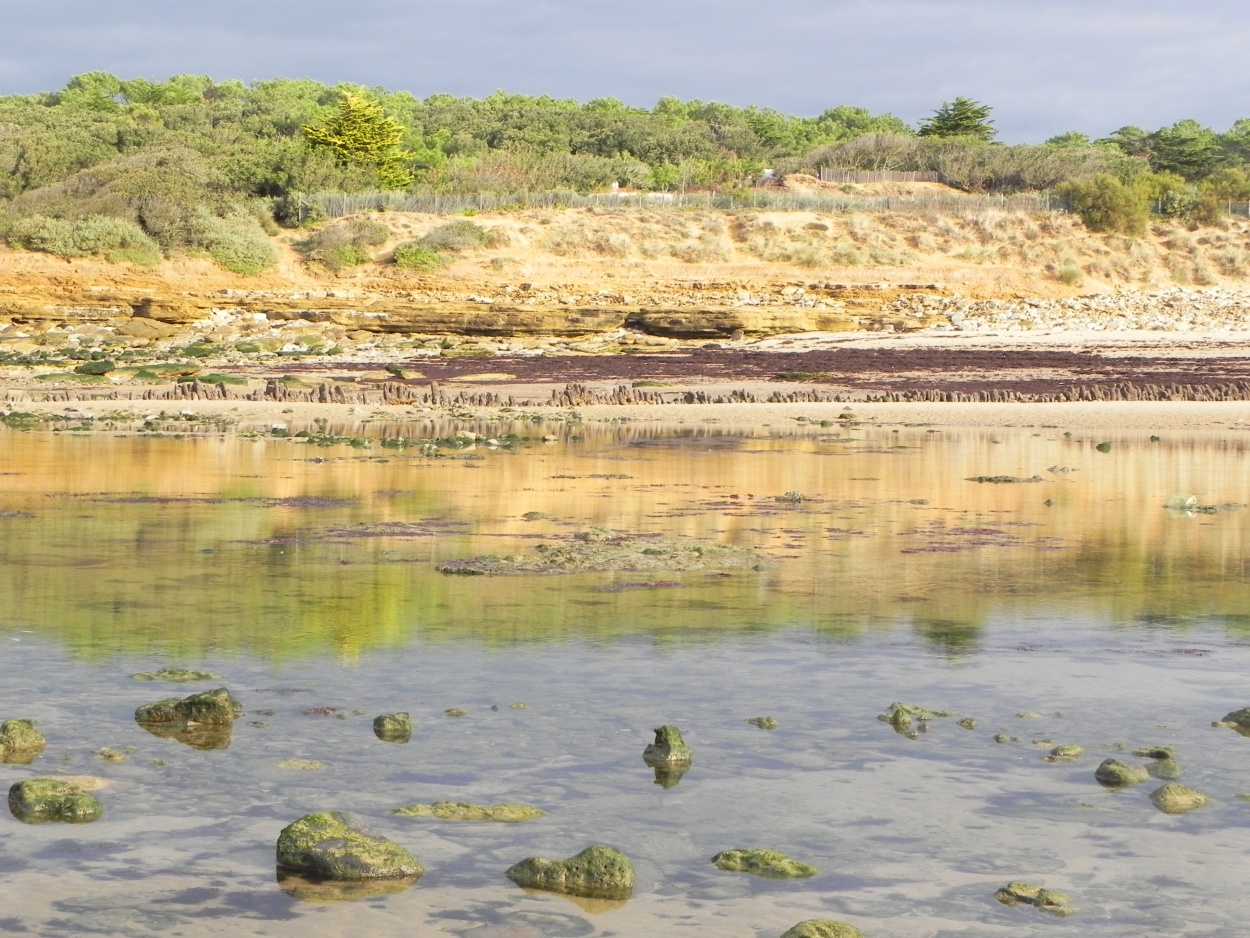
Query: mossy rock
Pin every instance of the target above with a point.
(766, 863)
(1155, 752)
(1066, 753)
(315, 889)
(597, 872)
(1048, 900)
(822, 928)
(393, 727)
(1238, 720)
(1177, 799)
(20, 742)
(211, 706)
(1113, 773)
(764, 723)
(335, 846)
(175, 676)
(1165, 770)
(35, 800)
(901, 715)
(507, 813)
(668, 749)
(967, 723)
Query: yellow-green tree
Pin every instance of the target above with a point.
(362, 133)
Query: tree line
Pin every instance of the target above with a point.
(137, 169)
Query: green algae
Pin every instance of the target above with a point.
(596, 872)
(764, 723)
(175, 676)
(335, 846)
(822, 928)
(1112, 773)
(669, 748)
(766, 863)
(211, 706)
(1048, 900)
(393, 727)
(36, 800)
(901, 715)
(20, 742)
(1177, 799)
(507, 813)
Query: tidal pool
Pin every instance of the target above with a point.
(869, 570)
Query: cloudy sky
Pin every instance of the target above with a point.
(1044, 65)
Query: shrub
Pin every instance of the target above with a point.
(236, 242)
(345, 245)
(97, 235)
(1106, 204)
(1070, 274)
(459, 236)
(413, 255)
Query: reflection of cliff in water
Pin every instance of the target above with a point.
(283, 549)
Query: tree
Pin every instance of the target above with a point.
(1187, 149)
(1106, 204)
(362, 134)
(962, 117)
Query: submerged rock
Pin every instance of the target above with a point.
(901, 715)
(175, 676)
(597, 871)
(20, 742)
(1177, 799)
(1067, 753)
(1166, 770)
(764, 723)
(669, 748)
(822, 928)
(211, 706)
(967, 723)
(455, 712)
(1021, 893)
(670, 774)
(335, 846)
(315, 889)
(507, 813)
(1004, 738)
(1156, 752)
(35, 800)
(766, 863)
(203, 736)
(1112, 773)
(393, 727)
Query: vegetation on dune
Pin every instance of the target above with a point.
(132, 170)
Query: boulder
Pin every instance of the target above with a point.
(20, 742)
(509, 813)
(1177, 799)
(822, 928)
(766, 863)
(1112, 773)
(597, 871)
(35, 800)
(211, 706)
(668, 749)
(393, 727)
(335, 846)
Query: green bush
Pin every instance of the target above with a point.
(458, 236)
(413, 255)
(236, 242)
(111, 238)
(345, 245)
(102, 367)
(1106, 204)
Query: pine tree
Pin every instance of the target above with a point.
(362, 133)
(962, 117)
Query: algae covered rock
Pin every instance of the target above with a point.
(1048, 900)
(175, 676)
(764, 723)
(35, 800)
(901, 715)
(507, 813)
(1112, 773)
(335, 846)
(1066, 753)
(597, 871)
(668, 749)
(211, 706)
(1166, 770)
(822, 928)
(1238, 720)
(1177, 799)
(20, 742)
(393, 727)
(766, 863)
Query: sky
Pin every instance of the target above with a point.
(1045, 66)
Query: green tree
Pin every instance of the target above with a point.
(1187, 149)
(361, 133)
(962, 117)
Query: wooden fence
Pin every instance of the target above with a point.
(848, 176)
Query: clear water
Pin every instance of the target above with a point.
(305, 577)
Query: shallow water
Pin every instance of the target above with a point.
(305, 576)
